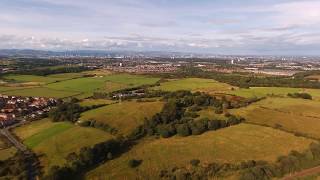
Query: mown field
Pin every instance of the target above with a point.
(233, 144)
(71, 84)
(194, 84)
(91, 102)
(54, 141)
(124, 116)
(296, 115)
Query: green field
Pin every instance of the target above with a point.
(54, 141)
(194, 84)
(71, 84)
(297, 115)
(279, 91)
(124, 116)
(233, 144)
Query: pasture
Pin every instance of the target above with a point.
(233, 144)
(54, 141)
(296, 115)
(91, 102)
(194, 84)
(210, 114)
(124, 116)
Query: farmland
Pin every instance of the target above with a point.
(54, 141)
(194, 84)
(124, 116)
(234, 144)
(71, 84)
(297, 115)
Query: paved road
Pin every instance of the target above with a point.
(303, 173)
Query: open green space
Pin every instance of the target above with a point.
(41, 92)
(278, 91)
(54, 141)
(124, 116)
(296, 115)
(194, 84)
(233, 144)
(210, 114)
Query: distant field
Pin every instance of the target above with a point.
(71, 84)
(233, 144)
(124, 116)
(264, 91)
(194, 84)
(296, 115)
(56, 140)
(41, 92)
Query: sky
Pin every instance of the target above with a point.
(262, 27)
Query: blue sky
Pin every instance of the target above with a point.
(210, 26)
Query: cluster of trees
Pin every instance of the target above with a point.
(88, 157)
(48, 71)
(69, 111)
(173, 118)
(300, 95)
(249, 170)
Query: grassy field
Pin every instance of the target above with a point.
(280, 91)
(124, 116)
(194, 84)
(71, 84)
(54, 141)
(296, 115)
(233, 144)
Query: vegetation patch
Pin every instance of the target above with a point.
(230, 145)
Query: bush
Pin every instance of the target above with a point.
(134, 163)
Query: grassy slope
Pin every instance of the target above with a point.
(56, 140)
(124, 116)
(233, 144)
(6, 151)
(296, 115)
(194, 84)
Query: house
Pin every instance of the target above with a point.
(7, 119)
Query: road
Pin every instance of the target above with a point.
(303, 173)
(32, 162)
